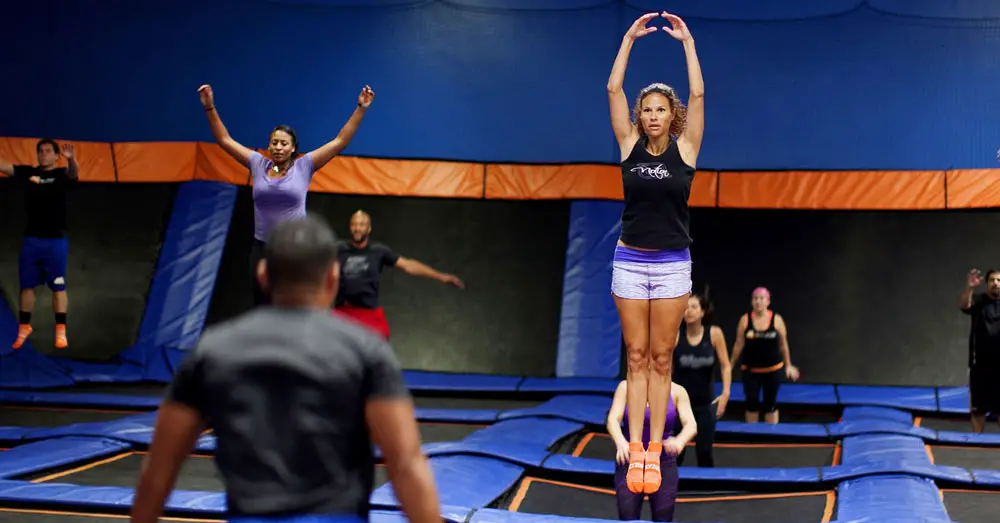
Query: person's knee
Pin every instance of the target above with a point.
(662, 356)
(638, 355)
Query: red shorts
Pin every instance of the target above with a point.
(372, 318)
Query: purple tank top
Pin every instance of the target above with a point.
(276, 199)
(668, 427)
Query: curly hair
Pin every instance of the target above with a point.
(677, 108)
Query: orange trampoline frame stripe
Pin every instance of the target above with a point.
(172, 162)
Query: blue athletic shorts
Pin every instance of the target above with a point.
(43, 261)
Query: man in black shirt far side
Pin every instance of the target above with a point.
(984, 345)
(295, 397)
(45, 247)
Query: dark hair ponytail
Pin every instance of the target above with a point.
(705, 299)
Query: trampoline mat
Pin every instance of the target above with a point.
(17, 416)
(954, 424)
(987, 458)
(971, 507)
(755, 455)
(537, 496)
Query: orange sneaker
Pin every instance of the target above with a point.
(636, 460)
(651, 474)
(23, 331)
(61, 341)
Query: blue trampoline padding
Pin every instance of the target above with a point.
(133, 429)
(890, 499)
(536, 432)
(870, 448)
(578, 464)
(457, 415)
(990, 478)
(448, 382)
(871, 426)
(967, 438)
(911, 467)
(570, 385)
(79, 399)
(53, 453)
(462, 481)
(14, 433)
(591, 409)
(790, 394)
(61, 494)
(909, 398)
(492, 515)
(797, 430)
(953, 400)
(518, 453)
(859, 413)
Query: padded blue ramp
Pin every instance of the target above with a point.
(55, 495)
(890, 499)
(909, 398)
(52, 453)
(448, 382)
(857, 413)
(570, 385)
(78, 399)
(186, 270)
(590, 339)
(796, 430)
(953, 400)
(462, 481)
(872, 448)
(592, 409)
(457, 415)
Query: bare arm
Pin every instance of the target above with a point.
(689, 142)
(327, 151)
(416, 268)
(973, 280)
(725, 366)
(684, 413)
(616, 414)
(73, 169)
(740, 339)
(232, 147)
(394, 429)
(625, 132)
(174, 436)
(779, 325)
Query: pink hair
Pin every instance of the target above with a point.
(762, 290)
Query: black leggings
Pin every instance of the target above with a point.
(256, 255)
(704, 416)
(756, 382)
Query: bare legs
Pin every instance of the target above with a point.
(650, 331)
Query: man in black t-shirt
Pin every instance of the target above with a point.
(45, 248)
(984, 345)
(361, 264)
(295, 398)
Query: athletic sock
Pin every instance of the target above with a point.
(60, 318)
(25, 318)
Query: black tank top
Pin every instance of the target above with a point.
(656, 198)
(694, 367)
(760, 351)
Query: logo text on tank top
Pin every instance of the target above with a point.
(651, 171)
(691, 361)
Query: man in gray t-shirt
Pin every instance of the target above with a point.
(295, 397)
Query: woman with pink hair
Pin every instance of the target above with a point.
(762, 341)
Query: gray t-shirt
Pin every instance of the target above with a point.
(284, 391)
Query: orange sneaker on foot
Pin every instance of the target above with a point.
(61, 341)
(23, 331)
(636, 460)
(651, 475)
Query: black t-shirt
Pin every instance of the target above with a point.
(984, 337)
(360, 271)
(45, 200)
(285, 391)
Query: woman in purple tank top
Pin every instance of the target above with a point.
(281, 182)
(662, 501)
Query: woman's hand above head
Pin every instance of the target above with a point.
(639, 29)
(678, 29)
(207, 98)
(366, 97)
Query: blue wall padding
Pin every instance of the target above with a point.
(186, 270)
(590, 342)
(468, 481)
(890, 499)
(53, 453)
